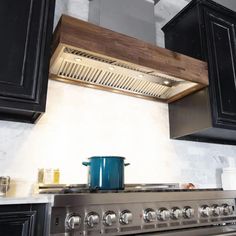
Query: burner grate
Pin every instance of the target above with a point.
(129, 188)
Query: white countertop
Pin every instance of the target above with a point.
(26, 200)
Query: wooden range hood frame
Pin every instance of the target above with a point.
(81, 37)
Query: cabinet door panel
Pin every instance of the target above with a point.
(17, 223)
(19, 47)
(222, 63)
(14, 40)
(24, 60)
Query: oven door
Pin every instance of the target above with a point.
(229, 230)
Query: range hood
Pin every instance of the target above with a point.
(92, 56)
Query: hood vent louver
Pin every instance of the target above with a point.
(73, 62)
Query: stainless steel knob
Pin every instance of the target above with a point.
(188, 212)
(126, 217)
(92, 219)
(149, 215)
(109, 218)
(227, 209)
(216, 210)
(163, 214)
(205, 211)
(176, 213)
(73, 221)
(231, 210)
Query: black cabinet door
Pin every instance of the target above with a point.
(221, 46)
(206, 30)
(17, 223)
(24, 61)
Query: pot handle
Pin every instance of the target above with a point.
(85, 163)
(127, 164)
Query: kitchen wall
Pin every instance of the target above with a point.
(164, 11)
(82, 122)
(231, 4)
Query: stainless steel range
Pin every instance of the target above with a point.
(140, 211)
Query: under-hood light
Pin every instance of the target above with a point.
(167, 82)
(78, 59)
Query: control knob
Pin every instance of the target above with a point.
(188, 212)
(109, 218)
(227, 209)
(205, 211)
(216, 210)
(73, 221)
(149, 215)
(126, 217)
(176, 213)
(92, 219)
(163, 214)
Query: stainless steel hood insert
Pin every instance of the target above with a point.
(86, 68)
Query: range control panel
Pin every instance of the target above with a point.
(121, 219)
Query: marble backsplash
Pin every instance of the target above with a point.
(82, 122)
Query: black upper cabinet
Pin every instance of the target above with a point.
(25, 52)
(207, 31)
(221, 43)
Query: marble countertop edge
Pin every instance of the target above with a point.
(26, 200)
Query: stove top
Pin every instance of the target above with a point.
(129, 188)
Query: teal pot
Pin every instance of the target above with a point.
(106, 172)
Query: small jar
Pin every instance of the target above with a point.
(56, 176)
(48, 176)
(40, 176)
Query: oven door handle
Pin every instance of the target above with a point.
(228, 230)
(227, 234)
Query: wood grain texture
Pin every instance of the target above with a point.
(96, 39)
